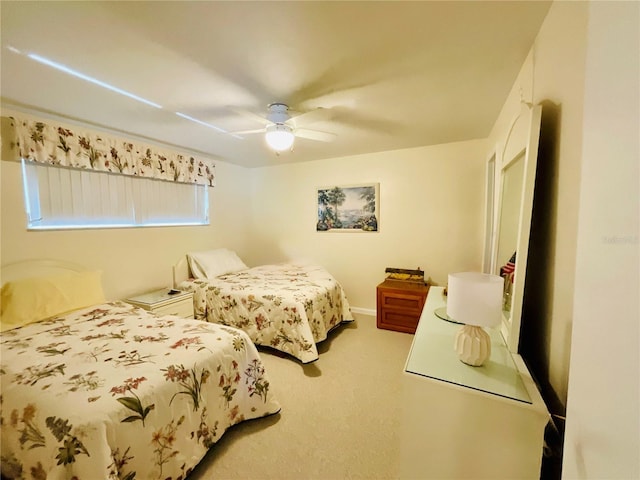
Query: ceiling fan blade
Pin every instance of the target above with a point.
(354, 119)
(345, 78)
(312, 116)
(249, 114)
(247, 132)
(315, 135)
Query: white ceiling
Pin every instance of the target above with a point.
(389, 75)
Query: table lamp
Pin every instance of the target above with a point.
(475, 300)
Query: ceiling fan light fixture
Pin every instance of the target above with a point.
(279, 137)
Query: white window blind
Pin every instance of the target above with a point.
(61, 198)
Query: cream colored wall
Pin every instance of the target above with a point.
(603, 420)
(132, 259)
(554, 72)
(431, 215)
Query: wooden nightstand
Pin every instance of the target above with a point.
(399, 305)
(161, 302)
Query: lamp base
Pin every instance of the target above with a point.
(473, 345)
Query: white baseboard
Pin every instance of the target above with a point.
(364, 311)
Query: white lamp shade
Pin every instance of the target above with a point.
(475, 298)
(279, 137)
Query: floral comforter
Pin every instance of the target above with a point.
(286, 306)
(113, 392)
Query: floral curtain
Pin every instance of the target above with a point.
(75, 147)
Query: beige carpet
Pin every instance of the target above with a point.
(340, 414)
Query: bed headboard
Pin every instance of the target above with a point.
(36, 268)
(181, 271)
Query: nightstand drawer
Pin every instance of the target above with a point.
(182, 308)
(408, 302)
(399, 321)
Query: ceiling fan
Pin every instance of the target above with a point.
(280, 128)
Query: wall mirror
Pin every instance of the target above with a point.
(510, 247)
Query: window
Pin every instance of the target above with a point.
(66, 198)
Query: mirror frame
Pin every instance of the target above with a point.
(490, 212)
(521, 141)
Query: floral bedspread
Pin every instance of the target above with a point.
(288, 307)
(113, 392)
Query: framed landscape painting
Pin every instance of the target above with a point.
(348, 208)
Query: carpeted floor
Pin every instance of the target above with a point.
(340, 414)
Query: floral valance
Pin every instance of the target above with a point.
(75, 147)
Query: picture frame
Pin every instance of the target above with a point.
(348, 208)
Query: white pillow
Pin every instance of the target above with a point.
(211, 263)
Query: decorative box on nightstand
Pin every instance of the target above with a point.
(399, 305)
(161, 302)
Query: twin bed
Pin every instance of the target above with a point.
(288, 307)
(111, 391)
(95, 389)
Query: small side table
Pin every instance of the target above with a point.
(399, 305)
(161, 302)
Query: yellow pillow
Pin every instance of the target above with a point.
(33, 299)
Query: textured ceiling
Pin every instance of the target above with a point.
(379, 75)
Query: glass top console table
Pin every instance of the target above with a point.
(461, 421)
(433, 356)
